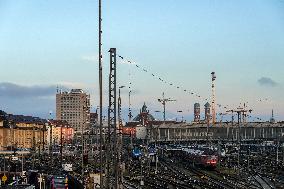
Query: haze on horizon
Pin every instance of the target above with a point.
(45, 44)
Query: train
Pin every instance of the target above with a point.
(152, 154)
(152, 150)
(203, 156)
(136, 153)
(59, 182)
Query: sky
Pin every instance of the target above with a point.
(45, 44)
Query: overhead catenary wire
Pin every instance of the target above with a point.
(156, 76)
(185, 90)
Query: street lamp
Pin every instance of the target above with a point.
(61, 144)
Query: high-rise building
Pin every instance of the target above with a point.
(74, 107)
(196, 112)
(207, 112)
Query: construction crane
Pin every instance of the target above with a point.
(241, 111)
(164, 101)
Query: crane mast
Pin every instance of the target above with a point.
(164, 101)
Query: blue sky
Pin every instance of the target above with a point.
(49, 43)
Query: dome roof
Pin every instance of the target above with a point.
(196, 105)
(145, 112)
(207, 105)
(139, 118)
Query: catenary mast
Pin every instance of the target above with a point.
(213, 98)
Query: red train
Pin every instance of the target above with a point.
(199, 155)
(203, 156)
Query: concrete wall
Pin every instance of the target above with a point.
(224, 132)
(141, 132)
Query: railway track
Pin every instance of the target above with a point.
(129, 185)
(153, 182)
(210, 179)
(181, 176)
(187, 178)
(263, 184)
(237, 181)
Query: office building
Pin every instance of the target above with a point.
(74, 107)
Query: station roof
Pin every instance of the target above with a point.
(218, 125)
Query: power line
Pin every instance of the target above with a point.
(185, 90)
(161, 79)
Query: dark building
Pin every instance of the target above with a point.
(196, 112)
(207, 112)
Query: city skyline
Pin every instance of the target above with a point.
(50, 44)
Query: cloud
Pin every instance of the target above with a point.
(266, 81)
(34, 100)
(91, 58)
(12, 90)
(122, 61)
(74, 85)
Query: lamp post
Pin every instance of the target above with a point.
(33, 146)
(119, 154)
(50, 138)
(85, 117)
(156, 137)
(61, 145)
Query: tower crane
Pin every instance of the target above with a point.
(164, 101)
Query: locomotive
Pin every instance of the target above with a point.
(152, 154)
(152, 150)
(203, 156)
(136, 153)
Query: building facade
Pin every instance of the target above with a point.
(18, 132)
(74, 107)
(59, 131)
